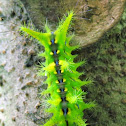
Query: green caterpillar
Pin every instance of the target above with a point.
(64, 85)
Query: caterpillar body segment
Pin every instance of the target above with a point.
(64, 85)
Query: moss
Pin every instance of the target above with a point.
(106, 66)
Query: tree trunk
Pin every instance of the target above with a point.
(19, 84)
(20, 102)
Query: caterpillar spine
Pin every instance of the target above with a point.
(63, 81)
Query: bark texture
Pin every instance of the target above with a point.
(92, 17)
(20, 102)
(19, 84)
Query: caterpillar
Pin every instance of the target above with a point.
(64, 85)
